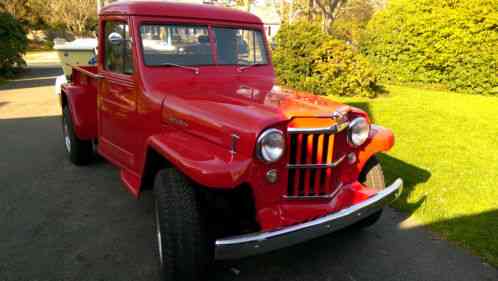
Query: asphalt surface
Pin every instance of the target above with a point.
(62, 222)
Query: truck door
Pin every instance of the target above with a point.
(118, 94)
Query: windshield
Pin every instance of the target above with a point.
(240, 46)
(175, 44)
(189, 45)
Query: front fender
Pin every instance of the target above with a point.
(82, 103)
(381, 139)
(204, 162)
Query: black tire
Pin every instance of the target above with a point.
(372, 176)
(80, 151)
(185, 247)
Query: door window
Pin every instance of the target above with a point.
(118, 55)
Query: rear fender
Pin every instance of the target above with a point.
(82, 103)
(208, 164)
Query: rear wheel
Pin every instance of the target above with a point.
(185, 247)
(80, 151)
(373, 177)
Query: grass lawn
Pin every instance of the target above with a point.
(447, 153)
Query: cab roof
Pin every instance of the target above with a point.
(179, 10)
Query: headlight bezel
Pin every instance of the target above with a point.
(351, 128)
(259, 145)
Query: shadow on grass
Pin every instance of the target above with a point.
(412, 175)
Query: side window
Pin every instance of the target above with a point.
(118, 56)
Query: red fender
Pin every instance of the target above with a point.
(381, 139)
(84, 115)
(204, 162)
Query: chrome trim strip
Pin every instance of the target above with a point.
(233, 145)
(316, 166)
(256, 243)
(336, 128)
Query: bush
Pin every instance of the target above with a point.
(308, 59)
(337, 70)
(448, 42)
(13, 44)
(292, 55)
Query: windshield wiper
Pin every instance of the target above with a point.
(194, 69)
(242, 68)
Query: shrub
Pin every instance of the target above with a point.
(13, 44)
(448, 42)
(308, 59)
(292, 55)
(337, 70)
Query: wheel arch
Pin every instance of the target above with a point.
(154, 162)
(82, 104)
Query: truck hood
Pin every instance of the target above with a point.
(221, 112)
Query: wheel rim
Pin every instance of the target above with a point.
(67, 139)
(158, 234)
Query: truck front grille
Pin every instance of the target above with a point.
(312, 163)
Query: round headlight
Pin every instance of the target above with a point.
(271, 145)
(359, 129)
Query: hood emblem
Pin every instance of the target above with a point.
(341, 120)
(338, 115)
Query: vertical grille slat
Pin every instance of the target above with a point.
(306, 178)
(309, 157)
(318, 159)
(293, 145)
(297, 180)
(328, 171)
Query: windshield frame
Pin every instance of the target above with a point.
(212, 40)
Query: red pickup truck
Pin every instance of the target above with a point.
(183, 101)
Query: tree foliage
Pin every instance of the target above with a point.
(351, 21)
(13, 44)
(448, 42)
(23, 11)
(306, 58)
(78, 16)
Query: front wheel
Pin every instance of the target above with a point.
(373, 177)
(185, 247)
(80, 151)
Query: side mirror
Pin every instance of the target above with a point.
(115, 38)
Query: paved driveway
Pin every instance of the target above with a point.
(61, 222)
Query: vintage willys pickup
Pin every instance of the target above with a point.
(183, 101)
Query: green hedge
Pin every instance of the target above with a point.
(13, 44)
(453, 43)
(306, 58)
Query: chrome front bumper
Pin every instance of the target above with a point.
(257, 243)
